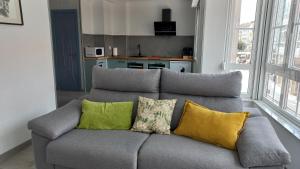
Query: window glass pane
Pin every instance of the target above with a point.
(243, 55)
(280, 57)
(296, 50)
(283, 11)
(269, 86)
(286, 13)
(278, 85)
(278, 37)
(274, 54)
(241, 52)
(273, 87)
(278, 49)
(283, 35)
(292, 97)
(297, 28)
(297, 18)
(248, 10)
(245, 79)
(281, 47)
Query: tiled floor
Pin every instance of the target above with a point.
(21, 160)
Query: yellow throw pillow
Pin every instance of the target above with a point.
(219, 128)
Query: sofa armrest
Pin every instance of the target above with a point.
(58, 122)
(258, 145)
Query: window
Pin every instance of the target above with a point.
(279, 31)
(282, 75)
(273, 88)
(240, 42)
(292, 96)
(296, 41)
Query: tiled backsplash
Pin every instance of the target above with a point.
(150, 45)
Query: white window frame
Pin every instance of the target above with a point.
(287, 70)
(230, 28)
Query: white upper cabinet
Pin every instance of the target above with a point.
(135, 17)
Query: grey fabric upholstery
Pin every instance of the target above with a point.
(129, 80)
(268, 167)
(115, 96)
(272, 167)
(39, 148)
(57, 122)
(94, 149)
(216, 103)
(259, 145)
(212, 85)
(57, 145)
(254, 112)
(176, 152)
(61, 167)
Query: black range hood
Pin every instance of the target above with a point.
(166, 27)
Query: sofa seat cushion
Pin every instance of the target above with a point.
(94, 149)
(177, 152)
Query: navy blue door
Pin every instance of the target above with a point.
(65, 36)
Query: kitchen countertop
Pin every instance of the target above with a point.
(138, 58)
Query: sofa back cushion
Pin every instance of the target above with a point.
(210, 85)
(216, 91)
(126, 80)
(121, 85)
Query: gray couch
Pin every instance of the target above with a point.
(59, 145)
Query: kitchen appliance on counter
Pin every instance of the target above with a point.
(94, 52)
(187, 52)
(115, 52)
(135, 65)
(156, 66)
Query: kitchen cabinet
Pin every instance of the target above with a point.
(178, 66)
(139, 64)
(116, 63)
(158, 63)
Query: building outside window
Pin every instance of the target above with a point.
(240, 41)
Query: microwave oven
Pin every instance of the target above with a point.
(94, 51)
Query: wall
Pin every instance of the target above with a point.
(213, 44)
(129, 23)
(64, 4)
(142, 14)
(26, 73)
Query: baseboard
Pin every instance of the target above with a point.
(14, 151)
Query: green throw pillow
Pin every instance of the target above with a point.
(106, 116)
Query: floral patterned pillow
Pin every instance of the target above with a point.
(154, 115)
